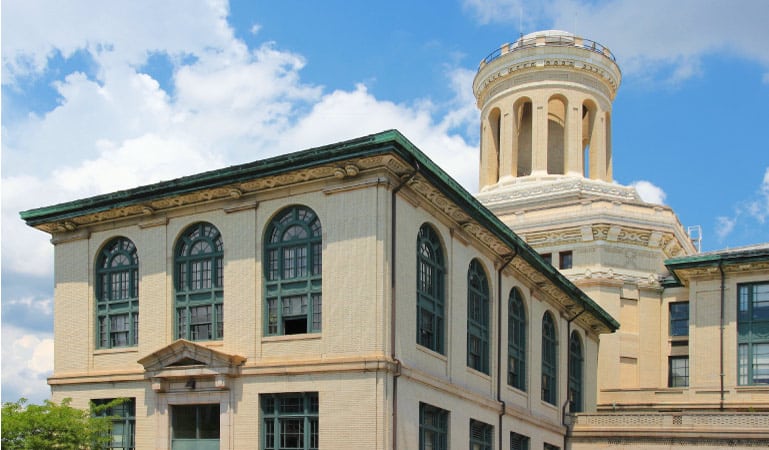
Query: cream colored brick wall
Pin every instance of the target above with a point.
(355, 405)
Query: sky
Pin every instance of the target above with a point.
(99, 96)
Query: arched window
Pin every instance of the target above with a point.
(549, 359)
(117, 294)
(477, 318)
(575, 372)
(198, 262)
(516, 341)
(292, 272)
(430, 289)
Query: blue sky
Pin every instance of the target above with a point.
(99, 96)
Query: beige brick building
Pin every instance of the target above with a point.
(683, 369)
(345, 297)
(354, 296)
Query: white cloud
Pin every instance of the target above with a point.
(124, 31)
(724, 226)
(27, 361)
(115, 127)
(649, 192)
(647, 36)
(751, 213)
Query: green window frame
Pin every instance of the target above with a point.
(117, 294)
(431, 294)
(678, 371)
(293, 253)
(122, 414)
(199, 283)
(679, 318)
(290, 421)
(433, 428)
(753, 333)
(481, 435)
(477, 317)
(516, 340)
(519, 441)
(549, 359)
(576, 371)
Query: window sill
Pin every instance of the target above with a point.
(292, 337)
(752, 388)
(443, 358)
(478, 373)
(516, 390)
(112, 351)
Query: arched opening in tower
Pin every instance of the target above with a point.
(523, 120)
(609, 156)
(556, 135)
(588, 122)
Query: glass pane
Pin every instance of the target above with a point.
(183, 420)
(760, 363)
(208, 422)
(291, 434)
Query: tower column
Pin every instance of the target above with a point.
(573, 148)
(598, 147)
(539, 137)
(508, 154)
(489, 164)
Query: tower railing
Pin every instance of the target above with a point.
(554, 40)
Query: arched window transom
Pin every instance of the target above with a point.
(293, 263)
(431, 299)
(516, 341)
(199, 262)
(549, 359)
(477, 318)
(117, 294)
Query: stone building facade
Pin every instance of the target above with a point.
(349, 296)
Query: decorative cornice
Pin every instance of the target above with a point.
(664, 241)
(533, 189)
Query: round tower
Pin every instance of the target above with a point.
(545, 104)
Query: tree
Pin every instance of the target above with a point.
(52, 426)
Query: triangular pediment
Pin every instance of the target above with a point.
(183, 354)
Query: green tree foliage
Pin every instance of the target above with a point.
(52, 426)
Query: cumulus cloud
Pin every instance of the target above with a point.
(649, 192)
(116, 125)
(27, 362)
(646, 36)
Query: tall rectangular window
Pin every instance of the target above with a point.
(290, 421)
(518, 441)
(753, 333)
(123, 417)
(481, 435)
(564, 260)
(679, 319)
(678, 371)
(433, 428)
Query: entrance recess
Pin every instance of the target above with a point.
(195, 427)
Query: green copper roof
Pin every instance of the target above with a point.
(739, 255)
(385, 142)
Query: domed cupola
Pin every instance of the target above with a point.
(545, 104)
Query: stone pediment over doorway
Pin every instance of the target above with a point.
(190, 364)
